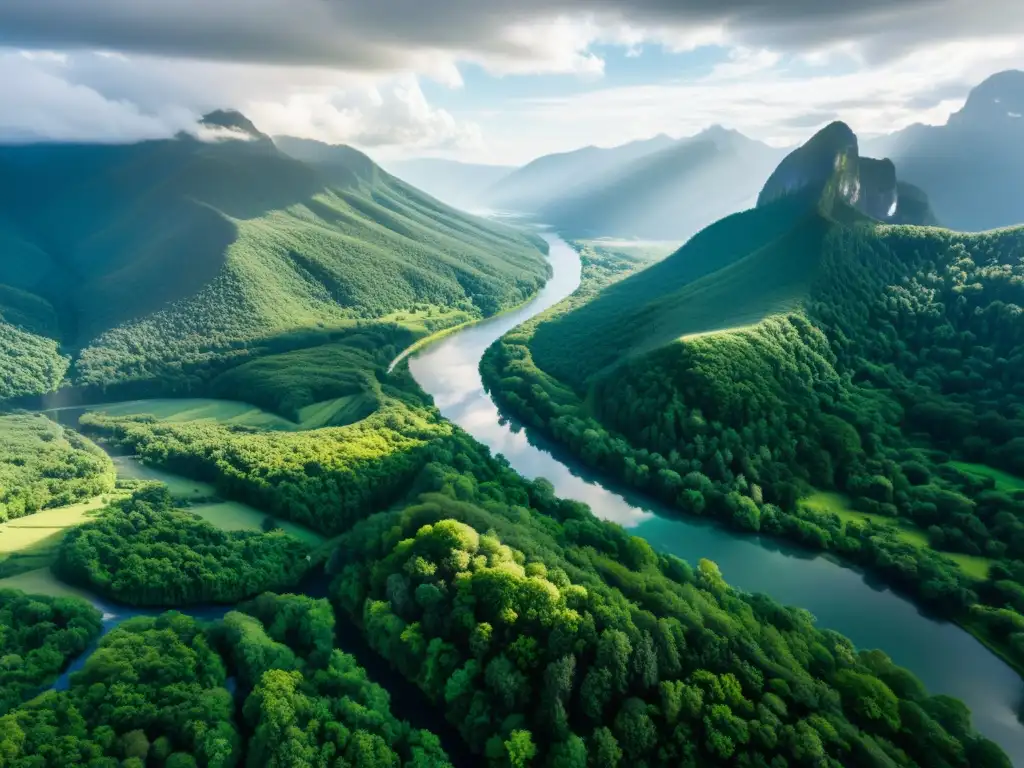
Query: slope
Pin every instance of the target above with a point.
(879, 361)
(671, 193)
(547, 178)
(973, 166)
(173, 256)
(459, 184)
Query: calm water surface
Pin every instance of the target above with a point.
(944, 656)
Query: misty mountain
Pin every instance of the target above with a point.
(450, 181)
(551, 177)
(972, 168)
(669, 194)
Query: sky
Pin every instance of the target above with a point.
(494, 81)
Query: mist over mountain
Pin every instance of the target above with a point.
(453, 182)
(972, 168)
(670, 194)
(551, 177)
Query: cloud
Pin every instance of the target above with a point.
(782, 102)
(504, 37)
(111, 97)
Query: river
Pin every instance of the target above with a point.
(946, 658)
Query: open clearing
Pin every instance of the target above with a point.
(235, 413)
(1004, 480)
(823, 502)
(130, 468)
(234, 516)
(42, 582)
(31, 542)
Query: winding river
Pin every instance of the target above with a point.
(945, 657)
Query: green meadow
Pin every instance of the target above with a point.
(826, 502)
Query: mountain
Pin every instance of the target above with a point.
(459, 184)
(809, 369)
(550, 177)
(742, 268)
(973, 166)
(671, 193)
(150, 261)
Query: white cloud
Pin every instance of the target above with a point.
(780, 101)
(94, 96)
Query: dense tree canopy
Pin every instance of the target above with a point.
(143, 551)
(39, 635)
(551, 637)
(903, 362)
(43, 465)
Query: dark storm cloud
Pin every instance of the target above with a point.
(381, 34)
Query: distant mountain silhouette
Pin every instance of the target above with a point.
(972, 168)
(452, 182)
(669, 194)
(552, 177)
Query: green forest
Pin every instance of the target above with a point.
(142, 551)
(888, 370)
(269, 288)
(39, 635)
(43, 465)
(177, 260)
(156, 692)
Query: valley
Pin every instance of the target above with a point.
(301, 459)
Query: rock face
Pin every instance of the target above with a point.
(879, 192)
(830, 169)
(995, 103)
(827, 163)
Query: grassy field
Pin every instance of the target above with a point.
(1004, 480)
(180, 487)
(42, 582)
(199, 409)
(234, 516)
(824, 502)
(31, 542)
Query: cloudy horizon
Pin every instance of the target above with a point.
(478, 81)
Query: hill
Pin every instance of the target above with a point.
(803, 346)
(459, 184)
(668, 194)
(550, 177)
(973, 166)
(156, 261)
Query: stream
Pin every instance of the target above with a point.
(946, 658)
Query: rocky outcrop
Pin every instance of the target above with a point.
(826, 164)
(829, 169)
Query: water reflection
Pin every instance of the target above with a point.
(945, 657)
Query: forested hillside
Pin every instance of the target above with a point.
(156, 692)
(803, 348)
(166, 262)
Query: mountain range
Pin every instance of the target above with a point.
(973, 166)
(147, 261)
(971, 169)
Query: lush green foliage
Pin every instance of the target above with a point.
(311, 704)
(550, 637)
(168, 262)
(325, 479)
(44, 465)
(903, 349)
(154, 688)
(39, 635)
(156, 692)
(142, 551)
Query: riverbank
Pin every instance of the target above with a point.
(842, 598)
